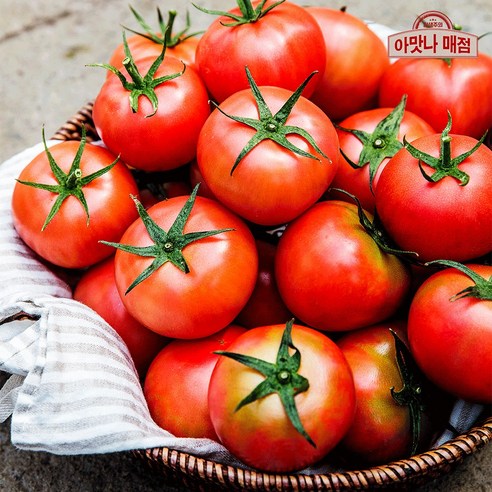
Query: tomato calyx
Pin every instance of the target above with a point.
(69, 184)
(382, 143)
(273, 127)
(375, 230)
(249, 13)
(481, 288)
(141, 85)
(281, 378)
(443, 165)
(411, 393)
(168, 246)
(165, 37)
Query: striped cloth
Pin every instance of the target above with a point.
(74, 388)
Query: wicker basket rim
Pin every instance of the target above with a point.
(432, 463)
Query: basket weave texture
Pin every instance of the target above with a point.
(201, 474)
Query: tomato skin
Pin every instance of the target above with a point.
(176, 385)
(350, 81)
(142, 47)
(332, 275)
(281, 49)
(442, 220)
(223, 270)
(167, 139)
(259, 433)
(356, 181)
(265, 306)
(269, 173)
(451, 340)
(68, 241)
(434, 87)
(97, 290)
(381, 429)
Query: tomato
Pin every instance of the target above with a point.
(281, 48)
(193, 284)
(332, 274)
(97, 290)
(260, 433)
(176, 385)
(181, 45)
(383, 428)
(450, 334)
(271, 184)
(152, 141)
(380, 144)
(450, 218)
(351, 78)
(71, 237)
(265, 306)
(434, 86)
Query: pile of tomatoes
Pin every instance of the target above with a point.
(289, 232)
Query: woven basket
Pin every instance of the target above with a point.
(201, 474)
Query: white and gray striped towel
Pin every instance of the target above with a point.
(74, 389)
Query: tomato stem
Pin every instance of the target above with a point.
(249, 14)
(411, 393)
(382, 143)
(165, 37)
(141, 85)
(443, 165)
(69, 184)
(168, 246)
(273, 127)
(282, 378)
(482, 288)
(375, 230)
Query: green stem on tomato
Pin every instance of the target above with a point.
(141, 85)
(69, 184)
(482, 288)
(382, 143)
(167, 245)
(411, 393)
(443, 165)
(166, 37)
(273, 126)
(249, 14)
(375, 230)
(282, 378)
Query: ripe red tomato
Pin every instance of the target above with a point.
(71, 238)
(332, 275)
(176, 385)
(351, 78)
(382, 429)
(450, 335)
(97, 289)
(153, 142)
(435, 87)
(381, 145)
(281, 48)
(447, 219)
(260, 432)
(271, 184)
(221, 274)
(265, 306)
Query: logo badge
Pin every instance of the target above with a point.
(432, 36)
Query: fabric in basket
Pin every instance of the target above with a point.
(74, 388)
